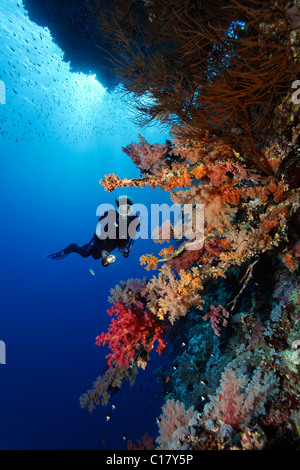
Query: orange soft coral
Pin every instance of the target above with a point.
(289, 260)
(150, 261)
(170, 297)
(199, 172)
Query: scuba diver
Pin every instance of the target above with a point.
(116, 229)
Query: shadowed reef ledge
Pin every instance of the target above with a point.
(71, 26)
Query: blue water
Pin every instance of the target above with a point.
(60, 133)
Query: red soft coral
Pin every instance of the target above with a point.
(146, 443)
(131, 336)
(186, 260)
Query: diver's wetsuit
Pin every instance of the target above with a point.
(93, 248)
(96, 246)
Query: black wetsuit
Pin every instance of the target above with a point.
(113, 240)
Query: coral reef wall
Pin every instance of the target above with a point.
(220, 76)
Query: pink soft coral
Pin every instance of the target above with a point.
(174, 416)
(239, 399)
(218, 318)
(147, 157)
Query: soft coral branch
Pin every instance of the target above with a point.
(149, 158)
(132, 334)
(218, 318)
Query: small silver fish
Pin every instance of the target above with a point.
(92, 272)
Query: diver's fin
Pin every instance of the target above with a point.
(57, 256)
